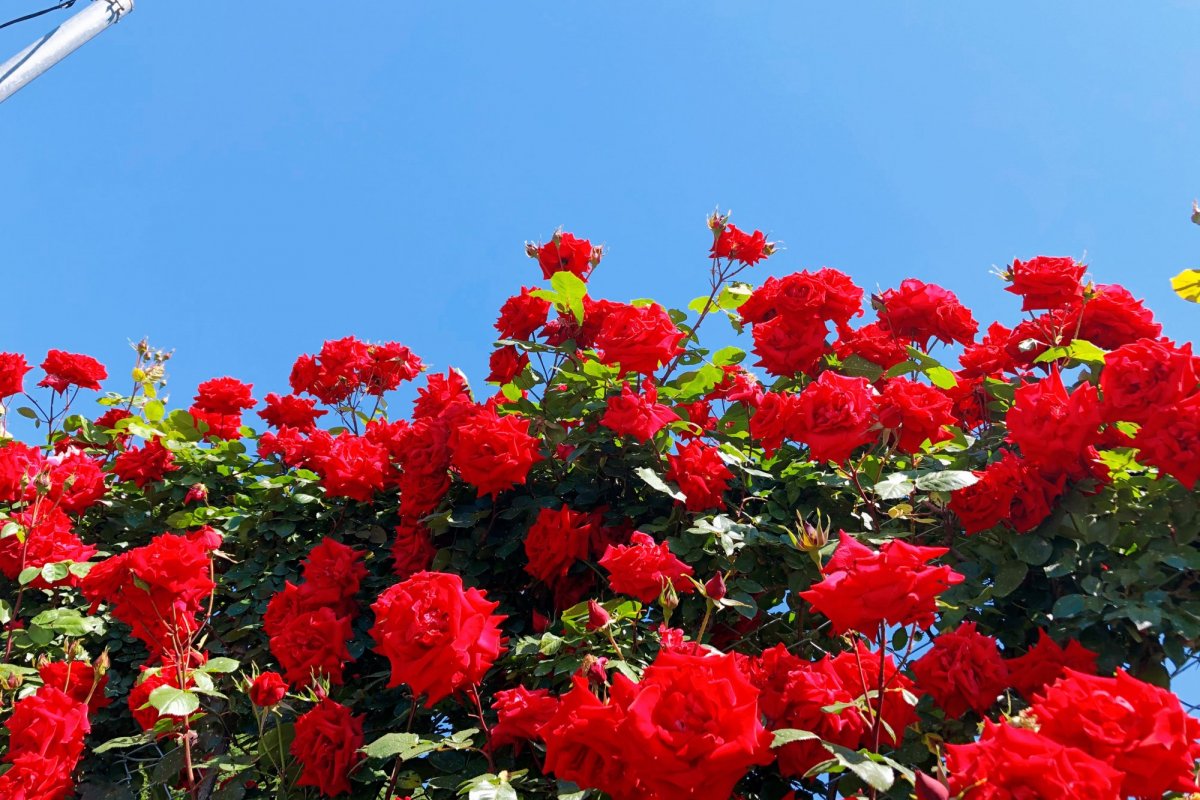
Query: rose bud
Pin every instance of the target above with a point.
(197, 494)
(268, 689)
(715, 588)
(598, 616)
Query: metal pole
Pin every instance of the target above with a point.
(59, 43)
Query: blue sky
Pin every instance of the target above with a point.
(240, 181)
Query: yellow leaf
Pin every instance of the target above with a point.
(1187, 285)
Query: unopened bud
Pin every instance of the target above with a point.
(13, 681)
(596, 669)
(531, 250)
(930, 788)
(598, 616)
(197, 494)
(811, 538)
(668, 598)
(41, 661)
(139, 375)
(717, 222)
(715, 588)
(102, 663)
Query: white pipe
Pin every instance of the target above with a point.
(59, 43)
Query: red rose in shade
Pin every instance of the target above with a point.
(566, 253)
(1033, 498)
(1008, 763)
(412, 550)
(962, 672)
(988, 502)
(555, 541)
(326, 744)
(268, 689)
(896, 708)
(313, 643)
(1046, 282)
(735, 244)
(914, 412)
(640, 568)
(874, 343)
(1170, 441)
(522, 315)
(71, 369)
(144, 465)
(894, 585)
(78, 680)
(922, 311)
(835, 415)
(12, 374)
(1140, 379)
(493, 452)
(332, 572)
(1140, 729)
(440, 638)
(637, 416)
(520, 713)
(638, 338)
(774, 420)
(290, 411)
(700, 474)
(1054, 427)
(1046, 662)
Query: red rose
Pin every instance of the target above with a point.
(313, 643)
(332, 572)
(70, 369)
(216, 426)
(19, 463)
(1052, 427)
(989, 356)
(1140, 729)
(388, 365)
(1113, 317)
(874, 343)
(582, 741)
(565, 253)
(864, 589)
(412, 550)
(12, 374)
(49, 539)
(78, 680)
(146, 715)
(224, 396)
(493, 452)
(774, 420)
(45, 742)
(789, 345)
(922, 311)
(521, 315)
(988, 502)
(326, 744)
(1045, 662)
(291, 411)
(737, 245)
(641, 568)
(699, 472)
(1008, 763)
(638, 338)
(76, 481)
(1170, 441)
(440, 393)
(1046, 282)
(145, 465)
(506, 364)
(1141, 378)
(637, 416)
(439, 637)
(353, 467)
(896, 708)
(1033, 497)
(962, 672)
(268, 689)
(555, 541)
(914, 412)
(520, 714)
(835, 415)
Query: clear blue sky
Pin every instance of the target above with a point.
(241, 180)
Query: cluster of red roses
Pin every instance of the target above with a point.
(698, 719)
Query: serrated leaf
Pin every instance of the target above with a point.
(171, 701)
(788, 735)
(220, 664)
(947, 480)
(655, 481)
(400, 745)
(894, 486)
(877, 776)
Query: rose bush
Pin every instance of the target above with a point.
(909, 559)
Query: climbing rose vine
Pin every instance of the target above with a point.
(878, 549)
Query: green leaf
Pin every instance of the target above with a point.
(27, 412)
(1032, 549)
(1186, 284)
(28, 575)
(856, 366)
(171, 701)
(1067, 606)
(1010, 576)
(877, 776)
(941, 377)
(154, 410)
(654, 481)
(220, 664)
(401, 745)
(571, 290)
(122, 742)
(894, 486)
(1077, 350)
(67, 621)
(55, 572)
(788, 735)
(946, 480)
